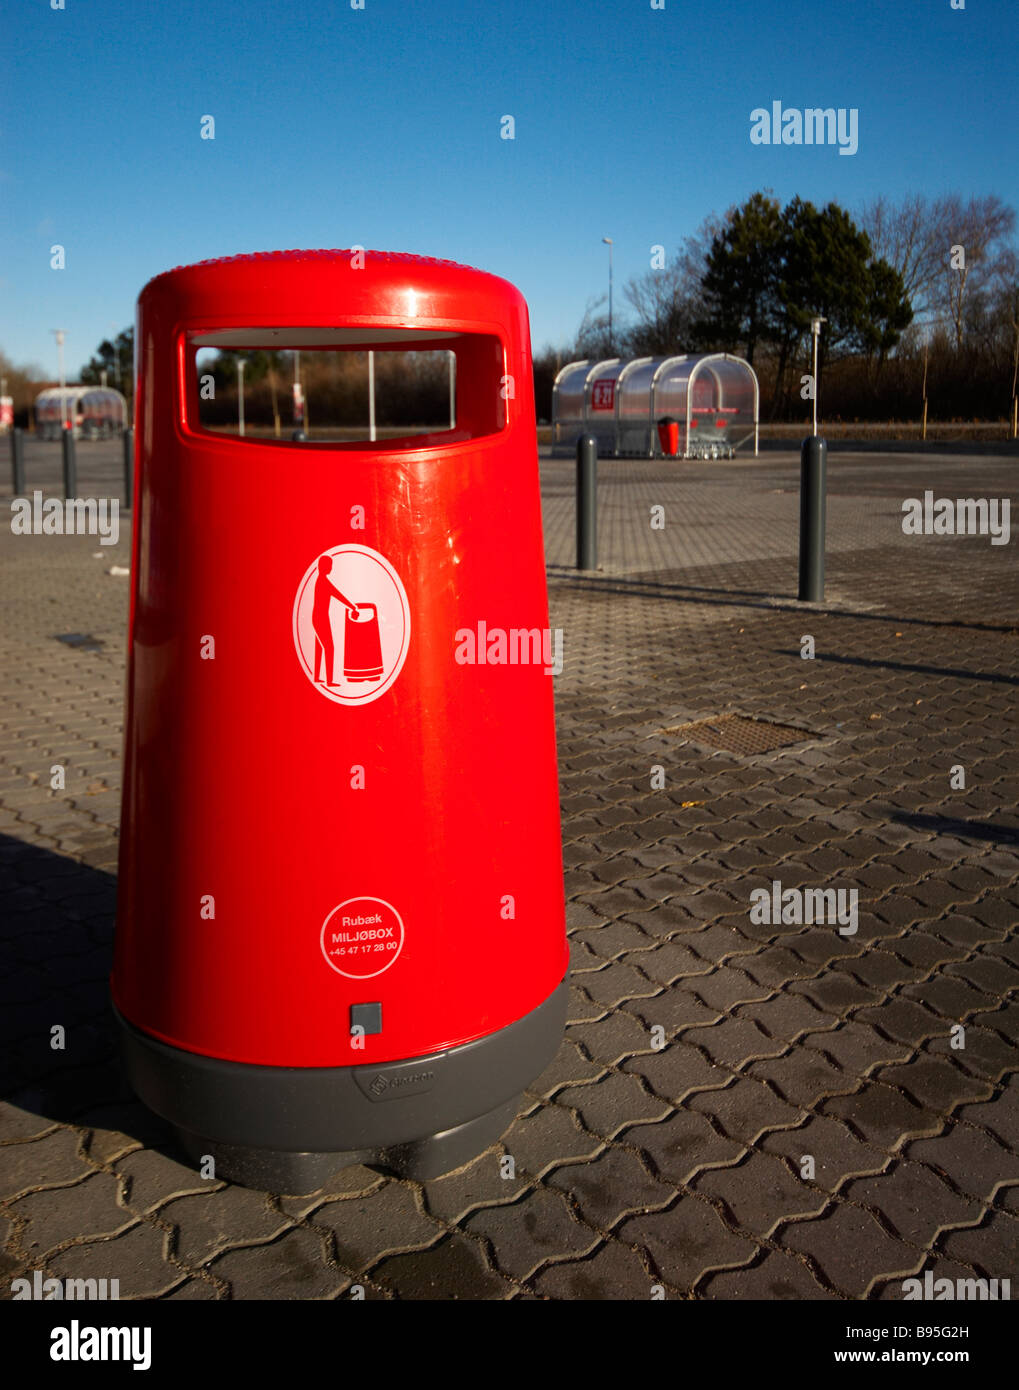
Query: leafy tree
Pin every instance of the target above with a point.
(116, 359)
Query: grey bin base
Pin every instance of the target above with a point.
(288, 1129)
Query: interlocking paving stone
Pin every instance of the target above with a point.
(992, 1249)
(836, 1151)
(985, 1053)
(383, 1222)
(230, 1216)
(894, 1290)
(726, 988)
(904, 1020)
(45, 1162)
(612, 1039)
(676, 1010)
(614, 1185)
(135, 1259)
(788, 1016)
(1000, 1116)
(454, 1269)
(669, 961)
(972, 1160)
(883, 1115)
(687, 1240)
(803, 1077)
(778, 1276)
(618, 983)
(746, 1109)
(735, 1042)
(953, 998)
(850, 1249)
(612, 1273)
(914, 1201)
(453, 1196)
(550, 1135)
(857, 1049)
(677, 1070)
(568, 1067)
(935, 1083)
(761, 1193)
(613, 1102)
(196, 1290)
(355, 1181)
(62, 1214)
(293, 1267)
(153, 1178)
(679, 1148)
(528, 1233)
(580, 1008)
(614, 939)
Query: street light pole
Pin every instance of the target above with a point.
(608, 242)
(815, 329)
(240, 395)
(61, 333)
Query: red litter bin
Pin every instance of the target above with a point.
(668, 435)
(340, 928)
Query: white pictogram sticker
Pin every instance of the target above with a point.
(362, 937)
(351, 624)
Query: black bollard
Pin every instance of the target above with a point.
(587, 502)
(18, 462)
(813, 499)
(70, 464)
(128, 469)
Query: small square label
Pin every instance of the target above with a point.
(366, 1016)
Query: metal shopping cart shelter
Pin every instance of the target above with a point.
(713, 397)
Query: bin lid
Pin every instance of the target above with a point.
(348, 296)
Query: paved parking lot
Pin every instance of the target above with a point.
(743, 1107)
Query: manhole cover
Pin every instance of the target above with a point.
(735, 733)
(84, 641)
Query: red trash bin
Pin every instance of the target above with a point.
(340, 930)
(668, 435)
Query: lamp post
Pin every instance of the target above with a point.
(608, 242)
(60, 334)
(815, 329)
(240, 395)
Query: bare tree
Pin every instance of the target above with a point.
(908, 236)
(974, 239)
(592, 338)
(669, 302)
(948, 251)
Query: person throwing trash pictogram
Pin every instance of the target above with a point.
(325, 592)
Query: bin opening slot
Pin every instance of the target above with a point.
(352, 386)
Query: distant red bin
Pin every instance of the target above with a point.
(668, 435)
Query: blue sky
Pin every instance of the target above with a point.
(381, 126)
